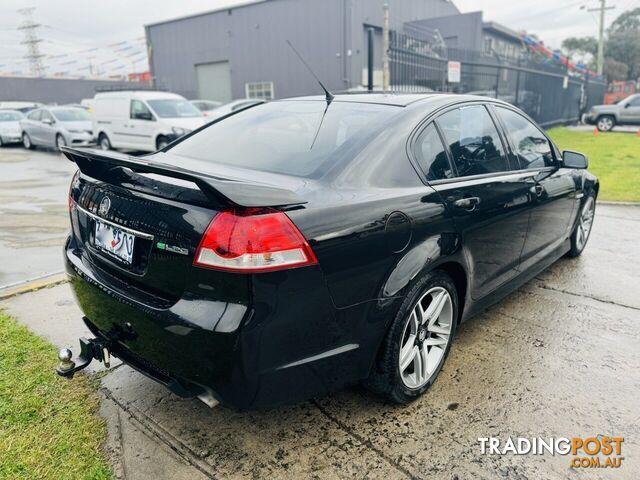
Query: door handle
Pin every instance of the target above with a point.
(467, 203)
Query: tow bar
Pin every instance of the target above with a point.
(94, 348)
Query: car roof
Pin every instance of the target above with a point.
(140, 94)
(400, 99)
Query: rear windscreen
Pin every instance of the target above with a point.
(301, 138)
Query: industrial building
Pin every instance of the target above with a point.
(242, 51)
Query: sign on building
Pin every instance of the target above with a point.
(453, 72)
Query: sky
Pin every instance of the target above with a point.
(82, 37)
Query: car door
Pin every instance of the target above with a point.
(552, 189)
(31, 125)
(486, 200)
(630, 112)
(47, 129)
(141, 126)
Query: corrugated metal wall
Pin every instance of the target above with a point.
(52, 90)
(330, 34)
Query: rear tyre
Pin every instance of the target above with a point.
(60, 142)
(418, 341)
(1, 144)
(581, 233)
(26, 141)
(103, 142)
(161, 142)
(606, 123)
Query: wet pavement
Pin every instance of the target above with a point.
(560, 357)
(33, 212)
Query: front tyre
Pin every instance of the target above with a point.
(103, 142)
(606, 123)
(60, 142)
(581, 233)
(26, 141)
(418, 340)
(161, 142)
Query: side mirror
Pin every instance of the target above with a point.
(47, 121)
(627, 105)
(574, 159)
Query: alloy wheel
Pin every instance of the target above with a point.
(605, 124)
(60, 142)
(426, 337)
(585, 223)
(26, 141)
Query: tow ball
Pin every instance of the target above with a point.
(92, 349)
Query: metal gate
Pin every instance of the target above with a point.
(545, 91)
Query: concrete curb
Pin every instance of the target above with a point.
(33, 284)
(623, 204)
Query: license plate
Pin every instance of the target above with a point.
(115, 241)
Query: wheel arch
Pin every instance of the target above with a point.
(458, 274)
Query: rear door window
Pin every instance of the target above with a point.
(530, 146)
(473, 140)
(431, 155)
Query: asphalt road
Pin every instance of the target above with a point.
(560, 357)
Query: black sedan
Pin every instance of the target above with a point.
(292, 248)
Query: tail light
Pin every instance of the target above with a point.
(73, 181)
(251, 241)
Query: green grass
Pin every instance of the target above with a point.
(613, 157)
(49, 428)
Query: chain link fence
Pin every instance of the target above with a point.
(545, 91)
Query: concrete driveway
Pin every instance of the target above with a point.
(33, 212)
(560, 357)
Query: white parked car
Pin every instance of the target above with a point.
(142, 120)
(10, 127)
(206, 106)
(56, 127)
(233, 106)
(21, 106)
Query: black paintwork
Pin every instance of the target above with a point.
(374, 224)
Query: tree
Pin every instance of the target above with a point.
(615, 70)
(580, 45)
(623, 42)
(626, 22)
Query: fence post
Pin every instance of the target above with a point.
(385, 48)
(517, 100)
(370, 59)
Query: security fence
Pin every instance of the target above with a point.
(545, 91)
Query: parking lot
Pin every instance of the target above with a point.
(559, 357)
(33, 212)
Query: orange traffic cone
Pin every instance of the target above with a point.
(595, 131)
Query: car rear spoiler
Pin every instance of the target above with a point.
(240, 193)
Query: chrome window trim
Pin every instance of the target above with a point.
(489, 177)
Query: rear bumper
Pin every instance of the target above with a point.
(289, 344)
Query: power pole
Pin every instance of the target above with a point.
(385, 49)
(31, 40)
(600, 58)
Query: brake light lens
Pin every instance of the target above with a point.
(252, 241)
(70, 197)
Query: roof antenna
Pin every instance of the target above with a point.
(328, 95)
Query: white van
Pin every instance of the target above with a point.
(142, 120)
